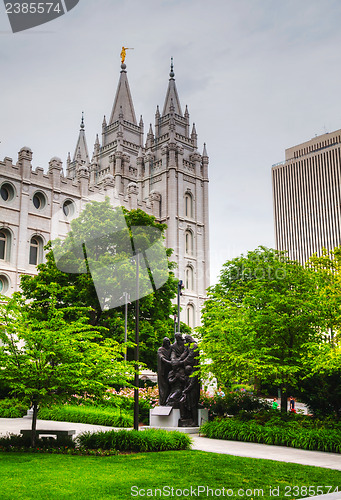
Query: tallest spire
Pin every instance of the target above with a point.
(123, 101)
(172, 97)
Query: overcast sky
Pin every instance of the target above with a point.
(258, 76)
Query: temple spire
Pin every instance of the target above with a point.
(123, 103)
(172, 95)
(194, 136)
(81, 150)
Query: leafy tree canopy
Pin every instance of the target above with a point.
(49, 359)
(257, 318)
(97, 224)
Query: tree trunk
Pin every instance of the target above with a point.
(284, 399)
(34, 425)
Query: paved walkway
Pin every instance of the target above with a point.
(14, 426)
(267, 452)
(237, 448)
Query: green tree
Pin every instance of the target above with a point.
(320, 384)
(321, 381)
(257, 318)
(328, 274)
(77, 289)
(49, 359)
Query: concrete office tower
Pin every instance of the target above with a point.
(164, 175)
(306, 197)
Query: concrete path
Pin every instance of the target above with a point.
(267, 452)
(14, 426)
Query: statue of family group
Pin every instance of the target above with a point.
(177, 388)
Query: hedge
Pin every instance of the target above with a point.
(143, 441)
(12, 408)
(322, 439)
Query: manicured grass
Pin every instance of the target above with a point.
(41, 476)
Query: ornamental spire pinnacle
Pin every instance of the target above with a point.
(81, 151)
(82, 122)
(172, 95)
(172, 74)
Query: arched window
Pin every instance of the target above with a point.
(68, 208)
(39, 200)
(36, 250)
(188, 205)
(7, 191)
(190, 315)
(189, 281)
(189, 242)
(4, 285)
(5, 244)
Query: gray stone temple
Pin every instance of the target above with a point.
(163, 174)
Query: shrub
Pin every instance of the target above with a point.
(17, 442)
(12, 408)
(276, 432)
(148, 399)
(322, 394)
(112, 417)
(5, 389)
(232, 403)
(143, 441)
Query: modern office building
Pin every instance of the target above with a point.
(307, 198)
(165, 176)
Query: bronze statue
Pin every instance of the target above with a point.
(189, 401)
(179, 387)
(177, 380)
(177, 349)
(164, 366)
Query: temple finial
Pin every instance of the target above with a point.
(172, 74)
(123, 56)
(82, 122)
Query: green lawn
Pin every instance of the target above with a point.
(42, 476)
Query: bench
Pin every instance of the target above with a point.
(48, 434)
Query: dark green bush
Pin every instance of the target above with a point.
(275, 432)
(112, 417)
(233, 403)
(11, 440)
(12, 408)
(322, 394)
(147, 440)
(17, 441)
(5, 389)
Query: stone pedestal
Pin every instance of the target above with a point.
(202, 416)
(166, 417)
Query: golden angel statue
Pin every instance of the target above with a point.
(123, 53)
